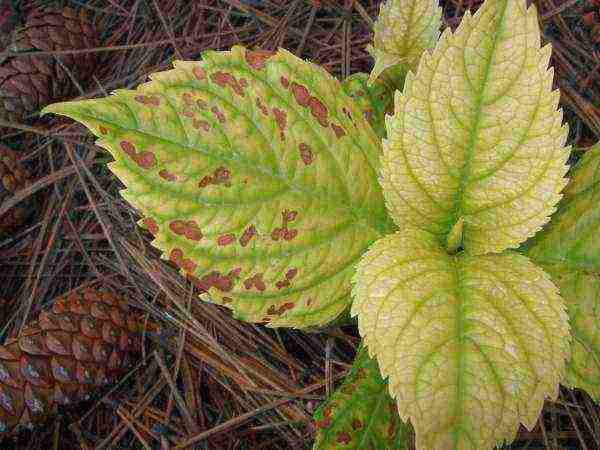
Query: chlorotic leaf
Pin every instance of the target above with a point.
(581, 291)
(471, 344)
(476, 134)
(374, 101)
(360, 414)
(256, 175)
(403, 31)
(572, 237)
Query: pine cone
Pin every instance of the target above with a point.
(13, 177)
(29, 83)
(81, 344)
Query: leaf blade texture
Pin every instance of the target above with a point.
(360, 414)
(471, 344)
(256, 175)
(476, 134)
(581, 291)
(404, 30)
(572, 237)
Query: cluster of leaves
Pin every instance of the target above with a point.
(286, 196)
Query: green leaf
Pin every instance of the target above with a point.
(569, 250)
(572, 237)
(471, 344)
(581, 291)
(402, 33)
(256, 174)
(374, 101)
(360, 414)
(476, 134)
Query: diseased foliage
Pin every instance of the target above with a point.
(256, 175)
(361, 415)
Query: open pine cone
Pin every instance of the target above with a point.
(80, 345)
(29, 83)
(13, 177)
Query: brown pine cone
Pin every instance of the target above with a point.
(29, 83)
(81, 344)
(13, 177)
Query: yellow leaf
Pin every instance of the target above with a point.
(471, 344)
(476, 134)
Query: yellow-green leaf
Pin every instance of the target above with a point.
(572, 237)
(471, 344)
(256, 174)
(403, 31)
(360, 414)
(581, 291)
(476, 134)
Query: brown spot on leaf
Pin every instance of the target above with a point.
(344, 438)
(148, 100)
(306, 154)
(205, 181)
(222, 175)
(177, 226)
(226, 79)
(226, 239)
(213, 279)
(325, 423)
(167, 175)
(199, 73)
(235, 273)
(151, 224)
(197, 124)
(285, 82)
(288, 216)
(226, 300)
(356, 424)
(338, 130)
(249, 233)
(128, 148)
(309, 301)
(217, 112)
(146, 160)
(280, 117)
(291, 273)
(257, 59)
(189, 229)
(262, 106)
(103, 129)
(176, 256)
(201, 104)
(288, 235)
(318, 110)
(282, 284)
(256, 281)
(301, 94)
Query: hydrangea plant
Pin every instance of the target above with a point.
(288, 197)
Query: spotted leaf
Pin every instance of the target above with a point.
(476, 134)
(256, 175)
(403, 31)
(360, 414)
(472, 345)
